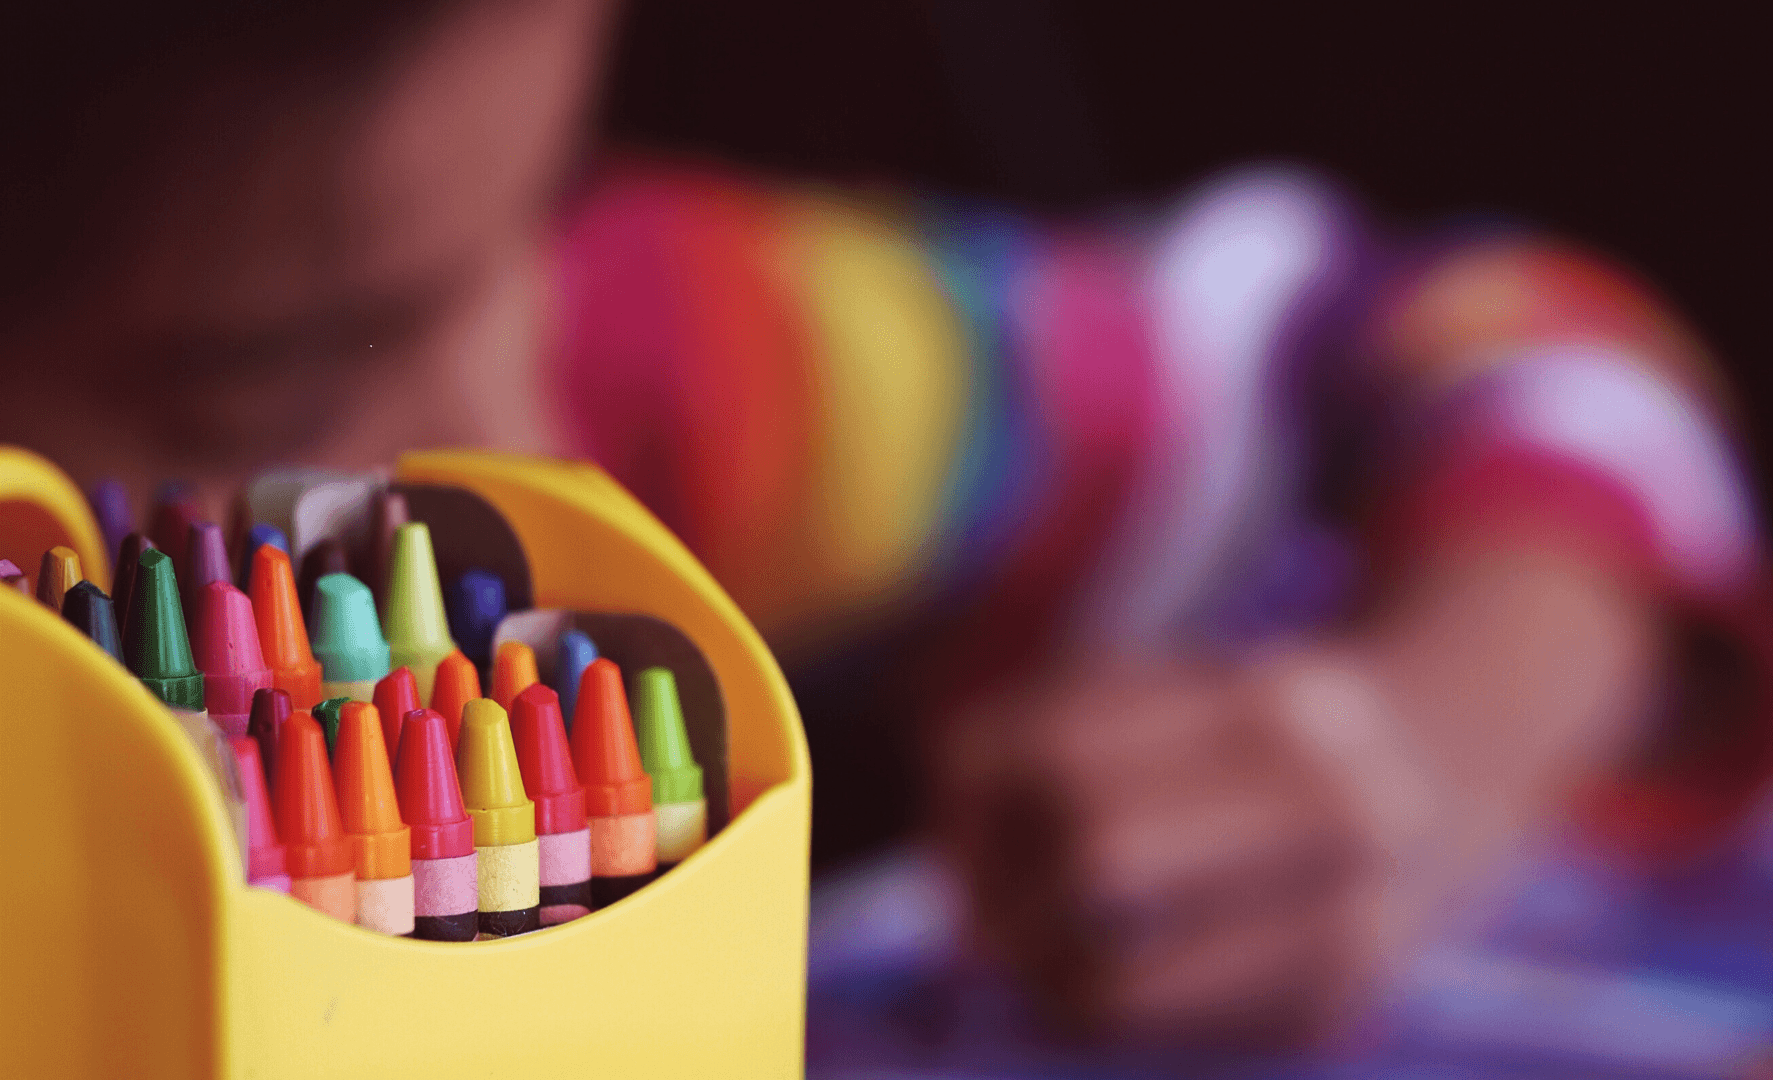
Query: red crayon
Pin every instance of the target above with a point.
(270, 708)
(396, 695)
(445, 867)
(562, 833)
(322, 868)
(225, 646)
(267, 864)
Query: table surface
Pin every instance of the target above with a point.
(1578, 970)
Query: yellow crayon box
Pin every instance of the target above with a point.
(133, 947)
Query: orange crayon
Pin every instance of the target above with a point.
(514, 671)
(283, 636)
(321, 864)
(618, 792)
(381, 844)
(457, 684)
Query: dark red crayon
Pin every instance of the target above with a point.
(170, 527)
(129, 558)
(270, 708)
(326, 557)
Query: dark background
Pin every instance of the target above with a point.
(1638, 133)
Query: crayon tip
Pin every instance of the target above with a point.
(155, 645)
(380, 841)
(396, 695)
(576, 654)
(225, 645)
(476, 605)
(109, 500)
(458, 682)
(418, 632)
(270, 709)
(326, 557)
(546, 762)
(305, 806)
(664, 741)
(328, 714)
(492, 783)
(129, 556)
(514, 671)
(56, 574)
(206, 560)
(257, 537)
(267, 859)
(283, 636)
(387, 513)
(239, 524)
(605, 755)
(91, 611)
(429, 793)
(175, 511)
(347, 636)
(14, 578)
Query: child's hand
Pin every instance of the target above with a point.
(1195, 853)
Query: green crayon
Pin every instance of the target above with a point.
(412, 607)
(326, 714)
(679, 807)
(155, 645)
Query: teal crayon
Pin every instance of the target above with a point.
(346, 637)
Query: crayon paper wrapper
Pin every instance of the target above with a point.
(361, 690)
(510, 876)
(624, 845)
(565, 857)
(335, 895)
(683, 827)
(446, 886)
(385, 904)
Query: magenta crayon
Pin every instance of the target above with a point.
(396, 695)
(270, 708)
(225, 644)
(445, 869)
(206, 560)
(13, 578)
(562, 834)
(267, 863)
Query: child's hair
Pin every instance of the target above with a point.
(90, 92)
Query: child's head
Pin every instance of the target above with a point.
(229, 223)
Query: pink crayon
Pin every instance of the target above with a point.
(225, 645)
(267, 864)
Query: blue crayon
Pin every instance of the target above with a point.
(476, 605)
(260, 535)
(576, 654)
(110, 505)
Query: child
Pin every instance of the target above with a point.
(1459, 489)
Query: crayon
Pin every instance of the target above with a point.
(206, 560)
(514, 671)
(381, 844)
(328, 714)
(240, 521)
(157, 650)
(575, 655)
(270, 708)
(257, 537)
(109, 500)
(322, 869)
(324, 558)
(283, 634)
(412, 613)
(458, 682)
(129, 557)
(267, 862)
(175, 511)
(476, 603)
(387, 513)
(225, 643)
(563, 838)
(445, 867)
(395, 696)
(618, 792)
(504, 823)
(58, 572)
(14, 578)
(88, 608)
(678, 804)
(347, 638)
